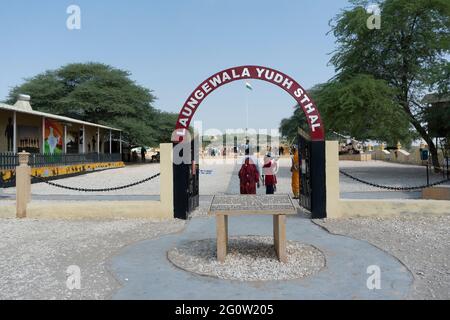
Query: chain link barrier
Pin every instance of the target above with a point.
(96, 190)
(392, 188)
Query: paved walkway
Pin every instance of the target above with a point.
(146, 273)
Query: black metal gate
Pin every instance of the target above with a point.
(312, 175)
(186, 180)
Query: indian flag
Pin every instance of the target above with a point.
(248, 86)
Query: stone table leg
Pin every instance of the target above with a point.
(279, 236)
(222, 236)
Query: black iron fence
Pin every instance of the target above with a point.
(8, 160)
(11, 160)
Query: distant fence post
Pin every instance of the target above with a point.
(23, 185)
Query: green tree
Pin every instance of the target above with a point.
(360, 107)
(364, 108)
(409, 52)
(99, 93)
(289, 126)
(166, 124)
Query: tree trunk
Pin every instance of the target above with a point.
(429, 140)
(406, 79)
(434, 156)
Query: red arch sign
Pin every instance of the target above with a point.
(250, 72)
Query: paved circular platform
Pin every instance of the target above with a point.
(146, 273)
(249, 258)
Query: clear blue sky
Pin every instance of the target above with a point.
(171, 46)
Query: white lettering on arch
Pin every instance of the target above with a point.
(192, 103)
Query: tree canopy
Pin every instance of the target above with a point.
(102, 94)
(409, 53)
(360, 107)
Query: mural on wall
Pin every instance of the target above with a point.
(53, 137)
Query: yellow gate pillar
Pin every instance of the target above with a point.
(166, 178)
(23, 185)
(332, 179)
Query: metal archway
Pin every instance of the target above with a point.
(186, 174)
(273, 76)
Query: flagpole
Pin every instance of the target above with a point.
(249, 87)
(246, 114)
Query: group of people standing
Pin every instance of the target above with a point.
(250, 174)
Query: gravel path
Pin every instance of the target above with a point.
(422, 243)
(35, 255)
(249, 258)
(217, 179)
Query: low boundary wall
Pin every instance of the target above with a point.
(437, 193)
(344, 208)
(8, 176)
(162, 209)
(356, 157)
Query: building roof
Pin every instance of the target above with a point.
(8, 107)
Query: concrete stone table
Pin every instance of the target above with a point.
(277, 205)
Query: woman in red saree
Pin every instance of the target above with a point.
(249, 177)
